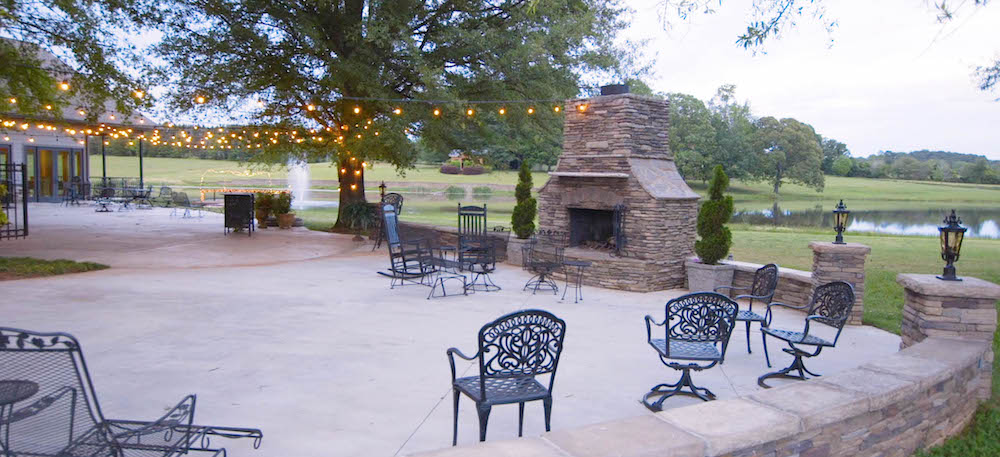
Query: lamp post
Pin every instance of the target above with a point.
(840, 214)
(952, 235)
(381, 191)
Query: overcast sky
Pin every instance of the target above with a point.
(893, 79)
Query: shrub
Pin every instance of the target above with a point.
(263, 202)
(282, 203)
(483, 192)
(712, 217)
(450, 169)
(522, 221)
(358, 216)
(473, 170)
(455, 192)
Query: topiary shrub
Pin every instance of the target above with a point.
(450, 169)
(712, 217)
(522, 221)
(473, 170)
(455, 192)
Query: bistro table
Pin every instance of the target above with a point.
(12, 392)
(574, 278)
(447, 269)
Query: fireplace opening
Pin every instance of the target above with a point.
(591, 228)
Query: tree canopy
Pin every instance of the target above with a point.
(787, 150)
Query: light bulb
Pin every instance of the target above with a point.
(503, 111)
(357, 110)
(437, 112)
(64, 85)
(531, 111)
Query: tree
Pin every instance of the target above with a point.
(832, 150)
(787, 150)
(734, 132)
(773, 17)
(522, 221)
(842, 166)
(341, 66)
(712, 218)
(692, 136)
(979, 172)
(58, 53)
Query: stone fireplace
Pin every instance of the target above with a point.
(617, 193)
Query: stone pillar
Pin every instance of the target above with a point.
(963, 309)
(842, 262)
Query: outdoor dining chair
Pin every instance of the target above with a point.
(696, 333)
(61, 415)
(830, 306)
(765, 281)
(514, 350)
(544, 256)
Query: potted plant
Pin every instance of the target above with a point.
(522, 221)
(282, 207)
(262, 208)
(360, 217)
(706, 273)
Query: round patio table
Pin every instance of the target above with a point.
(12, 392)
(574, 278)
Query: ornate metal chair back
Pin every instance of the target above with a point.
(833, 303)
(701, 317)
(394, 199)
(64, 409)
(521, 344)
(765, 281)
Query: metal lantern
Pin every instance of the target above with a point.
(381, 191)
(840, 214)
(952, 235)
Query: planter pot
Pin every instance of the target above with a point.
(261, 219)
(285, 221)
(515, 253)
(705, 278)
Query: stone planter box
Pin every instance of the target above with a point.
(705, 278)
(515, 253)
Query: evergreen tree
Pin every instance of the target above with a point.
(522, 220)
(712, 217)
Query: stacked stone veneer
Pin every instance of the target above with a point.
(842, 262)
(910, 400)
(794, 286)
(625, 136)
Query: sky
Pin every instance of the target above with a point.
(892, 78)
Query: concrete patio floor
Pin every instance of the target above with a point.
(294, 332)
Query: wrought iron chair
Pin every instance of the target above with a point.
(543, 256)
(165, 197)
(105, 199)
(765, 281)
(409, 260)
(831, 306)
(64, 418)
(481, 262)
(471, 232)
(396, 200)
(183, 202)
(513, 351)
(696, 332)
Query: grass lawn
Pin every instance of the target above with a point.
(27, 267)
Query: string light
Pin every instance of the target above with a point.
(12, 100)
(531, 110)
(470, 111)
(437, 112)
(139, 94)
(357, 110)
(397, 111)
(64, 86)
(48, 107)
(503, 111)
(82, 112)
(557, 108)
(311, 107)
(582, 107)
(260, 103)
(199, 99)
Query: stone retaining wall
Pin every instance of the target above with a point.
(794, 286)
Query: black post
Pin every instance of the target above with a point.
(140, 164)
(104, 165)
(24, 199)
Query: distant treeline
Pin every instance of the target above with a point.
(921, 165)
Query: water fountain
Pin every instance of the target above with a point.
(298, 181)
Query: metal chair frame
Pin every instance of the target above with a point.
(471, 232)
(697, 328)
(513, 350)
(544, 256)
(43, 428)
(409, 260)
(765, 281)
(396, 200)
(830, 305)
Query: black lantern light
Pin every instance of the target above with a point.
(381, 191)
(840, 214)
(951, 245)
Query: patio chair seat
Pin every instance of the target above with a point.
(796, 337)
(503, 390)
(747, 315)
(687, 350)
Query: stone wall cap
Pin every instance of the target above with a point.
(948, 351)
(816, 403)
(847, 248)
(968, 287)
(522, 447)
(642, 436)
(882, 389)
(782, 271)
(747, 423)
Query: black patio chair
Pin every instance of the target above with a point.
(105, 199)
(482, 262)
(543, 256)
(471, 232)
(396, 200)
(830, 306)
(183, 205)
(409, 260)
(765, 281)
(62, 418)
(165, 198)
(696, 332)
(513, 351)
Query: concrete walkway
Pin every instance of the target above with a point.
(294, 333)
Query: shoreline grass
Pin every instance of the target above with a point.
(12, 268)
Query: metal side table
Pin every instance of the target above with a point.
(574, 278)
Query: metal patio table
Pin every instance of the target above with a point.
(574, 278)
(448, 269)
(12, 392)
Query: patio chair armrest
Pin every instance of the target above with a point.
(809, 319)
(649, 329)
(177, 418)
(452, 352)
(754, 297)
(731, 288)
(40, 405)
(767, 315)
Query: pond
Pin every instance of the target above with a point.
(981, 222)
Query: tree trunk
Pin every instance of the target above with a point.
(352, 186)
(777, 180)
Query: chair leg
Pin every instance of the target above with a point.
(484, 418)
(798, 365)
(763, 337)
(748, 338)
(520, 419)
(547, 405)
(454, 436)
(666, 391)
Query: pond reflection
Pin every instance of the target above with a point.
(981, 222)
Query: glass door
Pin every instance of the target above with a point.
(51, 170)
